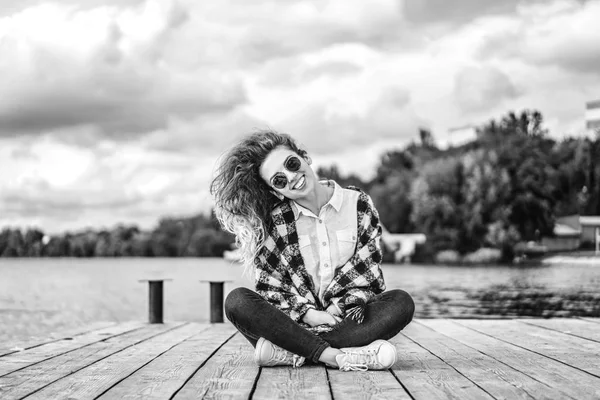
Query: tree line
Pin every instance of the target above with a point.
(506, 186)
(197, 236)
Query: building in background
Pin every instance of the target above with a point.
(592, 116)
(590, 230)
(573, 231)
(567, 235)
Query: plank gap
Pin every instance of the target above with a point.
(402, 384)
(33, 343)
(107, 356)
(255, 384)
(67, 350)
(530, 350)
(329, 384)
(484, 353)
(558, 330)
(143, 365)
(201, 365)
(450, 365)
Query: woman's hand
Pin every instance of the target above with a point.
(333, 310)
(316, 318)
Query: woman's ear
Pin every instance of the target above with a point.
(307, 158)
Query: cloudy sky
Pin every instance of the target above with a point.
(116, 110)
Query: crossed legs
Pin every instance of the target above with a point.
(386, 315)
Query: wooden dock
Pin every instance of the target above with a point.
(438, 359)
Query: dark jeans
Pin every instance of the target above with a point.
(386, 315)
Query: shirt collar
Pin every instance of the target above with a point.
(338, 196)
(335, 201)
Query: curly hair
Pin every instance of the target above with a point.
(243, 200)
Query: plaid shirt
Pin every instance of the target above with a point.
(282, 279)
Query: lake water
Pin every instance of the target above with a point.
(40, 296)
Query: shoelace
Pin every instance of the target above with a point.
(282, 355)
(297, 361)
(359, 360)
(354, 367)
(285, 356)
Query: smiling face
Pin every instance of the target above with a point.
(299, 183)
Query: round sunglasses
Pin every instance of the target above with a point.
(292, 164)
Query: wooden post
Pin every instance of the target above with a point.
(155, 300)
(216, 301)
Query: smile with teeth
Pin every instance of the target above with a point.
(300, 183)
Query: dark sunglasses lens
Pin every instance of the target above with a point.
(292, 164)
(279, 181)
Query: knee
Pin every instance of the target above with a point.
(405, 306)
(235, 301)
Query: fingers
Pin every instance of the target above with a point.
(333, 310)
(333, 320)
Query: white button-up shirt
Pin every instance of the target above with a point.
(327, 240)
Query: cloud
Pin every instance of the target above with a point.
(116, 111)
(208, 134)
(125, 72)
(9, 7)
(60, 187)
(112, 79)
(564, 34)
(23, 153)
(283, 29)
(334, 69)
(455, 12)
(325, 127)
(481, 88)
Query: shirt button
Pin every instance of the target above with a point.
(320, 221)
(324, 243)
(326, 265)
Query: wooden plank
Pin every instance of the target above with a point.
(229, 373)
(426, 376)
(563, 378)
(306, 382)
(365, 385)
(94, 380)
(25, 358)
(594, 320)
(162, 377)
(579, 353)
(571, 326)
(496, 378)
(11, 347)
(29, 380)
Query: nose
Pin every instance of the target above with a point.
(289, 174)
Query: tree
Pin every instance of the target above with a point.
(14, 244)
(392, 199)
(332, 172)
(427, 140)
(527, 123)
(434, 195)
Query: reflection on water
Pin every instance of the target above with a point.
(501, 291)
(41, 296)
(522, 299)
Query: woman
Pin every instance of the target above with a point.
(314, 251)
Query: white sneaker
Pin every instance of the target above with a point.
(266, 354)
(379, 355)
